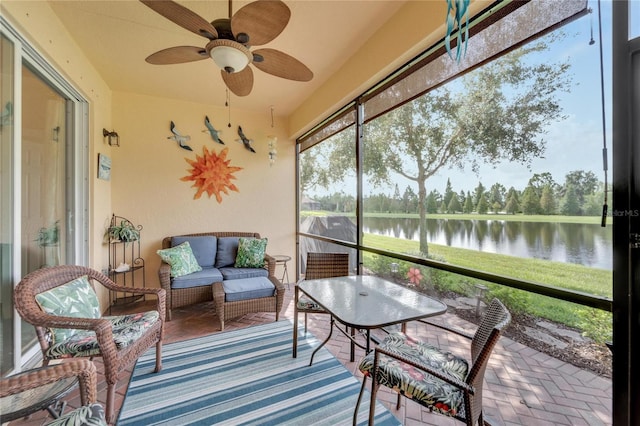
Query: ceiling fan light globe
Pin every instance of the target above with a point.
(229, 55)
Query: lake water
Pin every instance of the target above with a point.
(584, 244)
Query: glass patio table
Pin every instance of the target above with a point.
(367, 302)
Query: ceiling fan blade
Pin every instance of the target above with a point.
(183, 17)
(282, 65)
(240, 83)
(177, 55)
(262, 20)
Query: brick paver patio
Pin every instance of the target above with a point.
(522, 386)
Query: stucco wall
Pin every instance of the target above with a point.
(146, 172)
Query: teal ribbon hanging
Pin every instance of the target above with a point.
(456, 12)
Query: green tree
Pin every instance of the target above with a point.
(448, 193)
(454, 205)
(409, 201)
(477, 193)
(328, 162)
(547, 200)
(483, 205)
(432, 202)
(468, 204)
(497, 194)
(513, 193)
(512, 206)
(530, 201)
(540, 180)
(583, 183)
(571, 202)
(498, 112)
(396, 201)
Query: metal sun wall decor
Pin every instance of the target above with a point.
(179, 138)
(212, 174)
(456, 13)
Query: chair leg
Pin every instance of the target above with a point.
(109, 411)
(158, 356)
(305, 323)
(295, 333)
(372, 404)
(355, 411)
(353, 345)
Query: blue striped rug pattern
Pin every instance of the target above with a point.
(245, 377)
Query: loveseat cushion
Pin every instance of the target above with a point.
(247, 288)
(203, 247)
(251, 252)
(205, 277)
(240, 273)
(181, 259)
(227, 251)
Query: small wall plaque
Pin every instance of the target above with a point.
(104, 167)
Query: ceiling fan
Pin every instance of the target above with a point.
(230, 40)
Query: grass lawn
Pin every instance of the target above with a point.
(595, 323)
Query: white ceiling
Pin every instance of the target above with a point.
(117, 36)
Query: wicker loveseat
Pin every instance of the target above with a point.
(217, 274)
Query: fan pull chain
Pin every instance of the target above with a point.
(227, 103)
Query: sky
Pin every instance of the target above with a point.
(575, 143)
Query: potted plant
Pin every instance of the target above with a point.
(48, 236)
(125, 232)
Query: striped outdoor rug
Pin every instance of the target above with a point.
(245, 377)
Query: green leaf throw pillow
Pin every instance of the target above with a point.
(251, 252)
(181, 259)
(73, 299)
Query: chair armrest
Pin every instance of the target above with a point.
(164, 275)
(446, 328)
(270, 264)
(111, 285)
(440, 375)
(83, 369)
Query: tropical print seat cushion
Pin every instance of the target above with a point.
(87, 415)
(416, 384)
(304, 303)
(126, 329)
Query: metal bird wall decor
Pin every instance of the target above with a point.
(179, 138)
(212, 131)
(245, 140)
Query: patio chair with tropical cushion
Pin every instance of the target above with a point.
(437, 379)
(319, 265)
(62, 304)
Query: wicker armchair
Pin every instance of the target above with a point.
(319, 265)
(118, 340)
(439, 380)
(22, 393)
(178, 297)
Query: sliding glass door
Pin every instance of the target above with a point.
(44, 169)
(45, 179)
(7, 334)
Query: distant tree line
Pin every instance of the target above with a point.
(581, 194)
